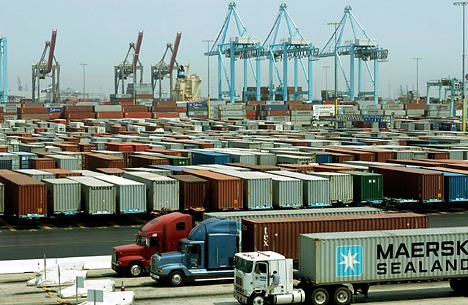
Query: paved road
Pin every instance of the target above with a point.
(98, 240)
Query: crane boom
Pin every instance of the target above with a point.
(51, 51)
(174, 52)
(137, 51)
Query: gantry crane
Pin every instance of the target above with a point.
(294, 47)
(243, 46)
(127, 69)
(45, 69)
(162, 70)
(362, 48)
(3, 70)
(451, 85)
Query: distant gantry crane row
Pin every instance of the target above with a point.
(294, 47)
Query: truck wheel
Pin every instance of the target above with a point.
(320, 296)
(257, 299)
(135, 269)
(176, 279)
(458, 285)
(342, 296)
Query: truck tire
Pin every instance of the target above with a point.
(320, 296)
(458, 285)
(342, 296)
(176, 279)
(257, 299)
(135, 269)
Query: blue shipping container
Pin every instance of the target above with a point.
(209, 157)
(323, 158)
(274, 107)
(6, 164)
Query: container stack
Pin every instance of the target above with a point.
(231, 111)
(165, 109)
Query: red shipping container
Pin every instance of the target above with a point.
(165, 152)
(157, 115)
(138, 115)
(194, 193)
(182, 109)
(146, 160)
(27, 197)
(61, 173)
(111, 171)
(93, 161)
(134, 108)
(139, 146)
(166, 103)
(109, 115)
(67, 147)
(78, 108)
(282, 234)
(119, 146)
(79, 115)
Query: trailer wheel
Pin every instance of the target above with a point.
(176, 279)
(458, 285)
(135, 269)
(320, 296)
(342, 296)
(257, 299)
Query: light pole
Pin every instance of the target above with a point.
(84, 79)
(417, 76)
(335, 25)
(326, 81)
(208, 50)
(463, 4)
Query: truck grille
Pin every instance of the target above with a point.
(114, 256)
(239, 281)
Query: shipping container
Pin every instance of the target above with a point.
(162, 193)
(9, 161)
(224, 167)
(27, 197)
(407, 184)
(287, 192)
(41, 163)
(282, 234)
(455, 186)
(367, 187)
(65, 162)
(142, 160)
(24, 158)
(98, 160)
(316, 190)
(383, 256)
(226, 192)
(130, 195)
(152, 169)
(209, 157)
(36, 174)
(194, 192)
(63, 196)
(97, 196)
(341, 186)
(258, 189)
(255, 167)
(295, 159)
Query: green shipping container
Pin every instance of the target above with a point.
(367, 187)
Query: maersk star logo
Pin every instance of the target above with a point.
(349, 260)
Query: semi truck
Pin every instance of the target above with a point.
(161, 234)
(331, 264)
(206, 254)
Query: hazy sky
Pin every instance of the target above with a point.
(98, 33)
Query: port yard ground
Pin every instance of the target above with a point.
(13, 291)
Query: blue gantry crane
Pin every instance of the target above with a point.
(3, 70)
(243, 47)
(360, 47)
(294, 47)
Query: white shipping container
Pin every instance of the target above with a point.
(98, 197)
(341, 186)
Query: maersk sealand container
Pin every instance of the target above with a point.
(373, 257)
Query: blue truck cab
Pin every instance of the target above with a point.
(206, 254)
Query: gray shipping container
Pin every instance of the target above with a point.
(66, 162)
(97, 196)
(130, 194)
(258, 189)
(161, 172)
(162, 192)
(316, 190)
(384, 256)
(341, 186)
(36, 174)
(63, 196)
(287, 191)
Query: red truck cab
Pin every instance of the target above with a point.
(161, 234)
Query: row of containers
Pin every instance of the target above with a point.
(163, 188)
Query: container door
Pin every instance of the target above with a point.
(260, 278)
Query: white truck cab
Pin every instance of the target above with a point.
(252, 279)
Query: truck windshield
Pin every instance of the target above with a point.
(141, 240)
(244, 265)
